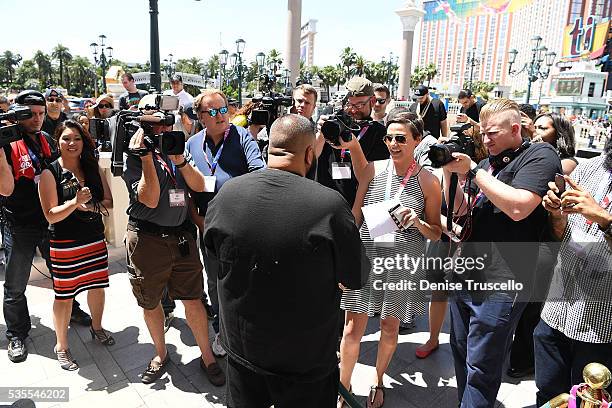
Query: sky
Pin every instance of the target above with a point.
(190, 28)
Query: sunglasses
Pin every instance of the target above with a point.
(401, 139)
(213, 112)
(54, 100)
(104, 106)
(381, 101)
(357, 105)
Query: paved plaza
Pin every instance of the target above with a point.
(110, 376)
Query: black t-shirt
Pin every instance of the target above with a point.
(283, 243)
(432, 116)
(373, 147)
(128, 99)
(509, 247)
(49, 125)
(23, 206)
(473, 112)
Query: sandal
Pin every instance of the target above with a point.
(372, 396)
(102, 336)
(341, 403)
(65, 359)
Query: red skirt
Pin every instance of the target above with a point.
(78, 266)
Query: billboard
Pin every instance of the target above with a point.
(585, 38)
(569, 86)
(458, 10)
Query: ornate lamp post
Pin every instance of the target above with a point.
(222, 63)
(170, 65)
(535, 70)
(474, 58)
(103, 61)
(240, 43)
(204, 74)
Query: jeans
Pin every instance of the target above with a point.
(560, 360)
(20, 244)
(212, 272)
(481, 333)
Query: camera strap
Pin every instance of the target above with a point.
(167, 168)
(361, 133)
(215, 160)
(402, 183)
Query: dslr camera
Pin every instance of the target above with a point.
(69, 185)
(442, 153)
(338, 126)
(155, 111)
(269, 104)
(11, 133)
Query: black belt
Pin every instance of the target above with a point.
(152, 228)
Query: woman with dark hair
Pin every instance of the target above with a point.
(558, 131)
(73, 195)
(103, 108)
(401, 188)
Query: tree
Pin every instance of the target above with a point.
(329, 76)
(190, 66)
(360, 64)
(82, 72)
(482, 88)
(274, 56)
(430, 72)
(9, 62)
(348, 58)
(63, 56)
(43, 63)
(212, 66)
(26, 75)
(418, 76)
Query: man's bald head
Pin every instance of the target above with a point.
(291, 147)
(292, 134)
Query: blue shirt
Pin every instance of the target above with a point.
(240, 155)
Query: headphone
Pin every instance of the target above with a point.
(504, 158)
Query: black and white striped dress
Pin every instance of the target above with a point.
(402, 303)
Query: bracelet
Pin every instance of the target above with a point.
(183, 164)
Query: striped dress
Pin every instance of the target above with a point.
(371, 299)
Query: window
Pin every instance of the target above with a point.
(591, 89)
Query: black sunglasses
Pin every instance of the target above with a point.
(381, 101)
(104, 106)
(54, 99)
(401, 139)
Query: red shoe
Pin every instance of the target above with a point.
(421, 353)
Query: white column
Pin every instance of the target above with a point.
(410, 15)
(292, 49)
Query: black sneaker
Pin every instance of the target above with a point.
(17, 351)
(155, 370)
(168, 321)
(79, 317)
(209, 312)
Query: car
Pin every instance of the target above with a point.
(80, 104)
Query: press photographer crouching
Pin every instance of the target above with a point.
(160, 239)
(501, 197)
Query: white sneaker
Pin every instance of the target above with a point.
(217, 348)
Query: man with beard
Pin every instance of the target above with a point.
(54, 116)
(431, 111)
(334, 166)
(276, 314)
(574, 328)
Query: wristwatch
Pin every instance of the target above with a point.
(471, 174)
(183, 164)
(606, 230)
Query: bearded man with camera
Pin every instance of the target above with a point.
(160, 239)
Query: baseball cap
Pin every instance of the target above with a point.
(176, 78)
(53, 92)
(421, 90)
(30, 97)
(232, 101)
(359, 86)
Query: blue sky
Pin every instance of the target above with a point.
(198, 28)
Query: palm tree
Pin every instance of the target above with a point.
(360, 64)
(347, 59)
(9, 62)
(25, 75)
(329, 76)
(80, 70)
(61, 54)
(418, 76)
(212, 66)
(43, 62)
(431, 70)
(274, 56)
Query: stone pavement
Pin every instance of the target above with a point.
(110, 376)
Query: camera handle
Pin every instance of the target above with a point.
(450, 206)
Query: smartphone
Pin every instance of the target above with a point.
(560, 183)
(394, 212)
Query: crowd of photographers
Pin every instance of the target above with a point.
(289, 216)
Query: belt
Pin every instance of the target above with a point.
(152, 228)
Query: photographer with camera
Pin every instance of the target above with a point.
(221, 152)
(502, 196)
(74, 195)
(470, 108)
(25, 228)
(160, 239)
(334, 165)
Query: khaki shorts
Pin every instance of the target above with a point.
(154, 262)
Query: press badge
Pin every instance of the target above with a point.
(210, 183)
(177, 197)
(387, 240)
(341, 171)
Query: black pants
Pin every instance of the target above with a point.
(560, 360)
(521, 356)
(247, 389)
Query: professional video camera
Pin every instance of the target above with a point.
(442, 153)
(340, 125)
(126, 123)
(11, 133)
(270, 103)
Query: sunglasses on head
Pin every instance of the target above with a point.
(52, 99)
(213, 112)
(401, 139)
(104, 106)
(381, 101)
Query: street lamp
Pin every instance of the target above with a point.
(472, 60)
(260, 58)
(103, 60)
(240, 44)
(204, 74)
(222, 63)
(390, 78)
(535, 69)
(170, 65)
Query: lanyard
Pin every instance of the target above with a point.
(170, 172)
(35, 160)
(215, 161)
(402, 183)
(361, 133)
(601, 197)
(480, 194)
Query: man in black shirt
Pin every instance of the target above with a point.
(506, 190)
(132, 95)
(54, 116)
(281, 263)
(431, 111)
(470, 108)
(334, 165)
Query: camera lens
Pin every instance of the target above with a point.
(331, 131)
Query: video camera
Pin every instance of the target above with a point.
(122, 127)
(442, 153)
(340, 125)
(11, 133)
(270, 103)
